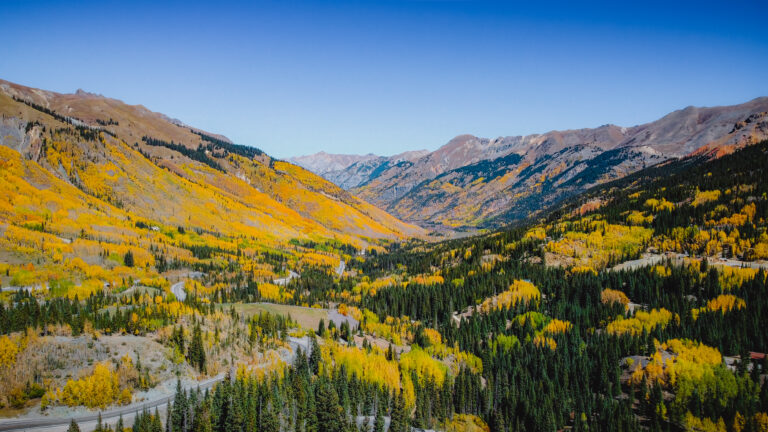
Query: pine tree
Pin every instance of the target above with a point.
(128, 259)
(314, 357)
(321, 328)
(196, 351)
(330, 415)
(99, 424)
(378, 423)
(202, 419)
(270, 422)
(498, 422)
(157, 424)
(179, 410)
(73, 427)
(399, 421)
(312, 425)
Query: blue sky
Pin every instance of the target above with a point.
(297, 77)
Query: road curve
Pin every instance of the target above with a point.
(63, 422)
(178, 290)
(22, 424)
(284, 281)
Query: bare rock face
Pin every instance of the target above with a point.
(322, 162)
(473, 182)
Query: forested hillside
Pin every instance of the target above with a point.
(638, 305)
(473, 183)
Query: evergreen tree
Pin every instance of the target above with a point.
(314, 356)
(330, 414)
(399, 418)
(157, 424)
(196, 351)
(321, 328)
(202, 418)
(179, 409)
(99, 424)
(378, 423)
(270, 421)
(128, 259)
(73, 427)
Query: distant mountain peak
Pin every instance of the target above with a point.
(472, 181)
(81, 92)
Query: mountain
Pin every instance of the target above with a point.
(473, 182)
(83, 165)
(349, 171)
(322, 162)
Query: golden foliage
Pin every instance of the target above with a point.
(761, 422)
(536, 233)
(428, 280)
(695, 424)
(274, 292)
(314, 259)
(542, 341)
(731, 277)
(433, 336)
(367, 287)
(594, 243)
(519, 291)
(583, 269)
(703, 197)
(395, 330)
(10, 346)
(556, 326)
(465, 423)
(638, 218)
(659, 205)
(691, 360)
(640, 321)
(371, 366)
(98, 390)
(723, 303)
(424, 365)
(610, 296)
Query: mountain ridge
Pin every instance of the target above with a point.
(151, 166)
(439, 192)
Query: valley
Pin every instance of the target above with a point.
(159, 277)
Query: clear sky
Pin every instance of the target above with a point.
(297, 77)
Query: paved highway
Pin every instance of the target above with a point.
(56, 423)
(52, 424)
(284, 281)
(178, 290)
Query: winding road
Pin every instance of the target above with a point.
(128, 412)
(88, 421)
(284, 281)
(178, 290)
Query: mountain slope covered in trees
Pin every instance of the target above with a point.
(124, 147)
(476, 182)
(567, 322)
(84, 183)
(132, 271)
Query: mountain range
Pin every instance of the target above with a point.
(474, 182)
(83, 162)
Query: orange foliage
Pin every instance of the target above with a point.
(610, 296)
